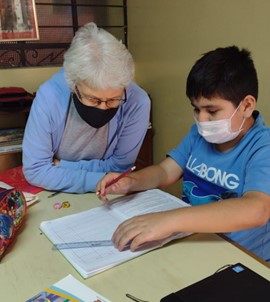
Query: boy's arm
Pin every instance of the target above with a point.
(249, 211)
(156, 176)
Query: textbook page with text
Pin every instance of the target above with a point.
(98, 224)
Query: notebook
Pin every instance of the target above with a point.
(97, 225)
(237, 283)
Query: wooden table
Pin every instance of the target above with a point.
(31, 265)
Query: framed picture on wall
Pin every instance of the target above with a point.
(18, 20)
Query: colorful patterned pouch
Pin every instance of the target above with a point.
(12, 215)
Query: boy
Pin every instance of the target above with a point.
(224, 162)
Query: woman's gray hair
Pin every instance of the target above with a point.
(98, 59)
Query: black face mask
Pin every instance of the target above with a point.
(93, 116)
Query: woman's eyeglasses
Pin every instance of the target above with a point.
(110, 103)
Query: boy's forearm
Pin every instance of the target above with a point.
(224, 216)
(147, 178)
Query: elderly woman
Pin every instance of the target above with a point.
(88, 119)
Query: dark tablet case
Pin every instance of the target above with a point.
(237, 283)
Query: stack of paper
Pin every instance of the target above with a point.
(11, 139)
(100, 223)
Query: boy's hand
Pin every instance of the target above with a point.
(141, 230)
(101, 190)
(120, 187)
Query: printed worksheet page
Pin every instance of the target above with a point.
(146, 202)
(99, 224)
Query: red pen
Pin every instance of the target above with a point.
(118, 178)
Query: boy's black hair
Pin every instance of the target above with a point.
(228, 73)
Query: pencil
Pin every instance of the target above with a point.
(53, 194)
(118, 178)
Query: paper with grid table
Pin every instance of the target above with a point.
(100, 223)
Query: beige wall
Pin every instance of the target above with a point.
(167, 36)
(28, 78)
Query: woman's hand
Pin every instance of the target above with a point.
(56, 161)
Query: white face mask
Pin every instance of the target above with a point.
(218, 132)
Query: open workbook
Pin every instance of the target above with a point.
(99, 224)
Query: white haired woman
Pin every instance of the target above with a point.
(88, 119)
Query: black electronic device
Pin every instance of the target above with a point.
(236, 283)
